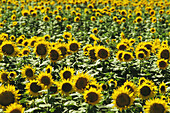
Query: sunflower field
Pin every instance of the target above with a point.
(84, 56)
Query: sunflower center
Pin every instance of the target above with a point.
(81, 83)
(6, 98)
(54, 55)
(104, 87)
(92, 97)
(34, 87)
(29, 73)
(162, 64)
(32, 43)
(15, 111)
(123, 100)
(157, 108)
(12, 75)
(20, 41)
(53, 89)
(103, 53)
(145, 91)
(66, 87)
(8, 49)
(67, 74)
(127, 56)
(4, 77)
(129, 87)
(48, 70)
(141, 55)
(45, 80)
(165, 54)
(122, 47)
(163, 88)
(26, 43)
(41, 49)
(74, 47)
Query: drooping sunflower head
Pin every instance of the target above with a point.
(140, 55)
(41, 49)
(149, 46)
(104, 87)
(54, 54)
(77, 19)
(66, 87)
(113, 83)
(25, 43)
(46, 18)
(123, 98)
(156, 106)
(121, 46)
(102, 52)
(67, 35)
(49, 69)
(92, 96)
(12, 75)
(162, 88)
(45, 79)
(130, 86)
(32, 42)
(25, 51)
(8, 48)
(8, 95)
(46, 37)
(119, 55)
(162, 63)
(20, 40)
(144, 49)
(146, 91)
(28, 72)
(67, 73)
(141, 81)
(74, 45)
(15, 108)
(33, 88)
(4, 77)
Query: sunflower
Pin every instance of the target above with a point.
(121, 46)
(77, 19)
(15, 108)
(49, 69)
(66, 87)
(8, 95)
(69, 27)
(13, 17)
(146, 91)
(95, 31)
(25, 42)
(54, 54)
(12, 37)
(63, 47)
(162, 63)
(141, 80)
(92, 96)
(67, 35)
(162, 88)
(143, 49)
(164, 53)
(45, 79)
(25, 13)
(156, 106)
(33, 88)
(139, 19)
(152, 12)
(68, 7)
(90, 6)
(130, 86)
(119, 55)
(46, 18)
(81, 81)
(4, 77)
(8, 48)
(67, 73)
(74, 45)
(12, 74)
(102, 52)
(127, 56)
(46, 37)
(91, 53)
(28, 72)
(152, 30)
(32, 42)
(104, 87)
(123, 98)
(93, 18)
(140, 55)
(19, 41)
(41, 49)
(25, 51)
(85, 48)
(112, 82)
(54, 88)
(115, 18)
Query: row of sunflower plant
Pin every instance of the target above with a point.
(94, 56)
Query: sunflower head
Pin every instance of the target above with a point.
(28, 72)
(12, 75)
(66, 87)
(92, 53)
(92, 96)
(54, 88)
(15, 108)
(33, 88)
(74, 45)
(162, 88)
(41, 49)
(123, 98)
(130, 86)
(49, 69)
(127, 56)
(45, 79)
(164, 53)
(85, 48)
(4, 76)
(102, 52)
(67, 73)
(54, 54)
(162, 63)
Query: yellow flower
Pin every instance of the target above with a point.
(73, 45)
(162, 88)
(28, 72)
(15, 108)
(102, 52)
(162, 63)
(67, 73)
